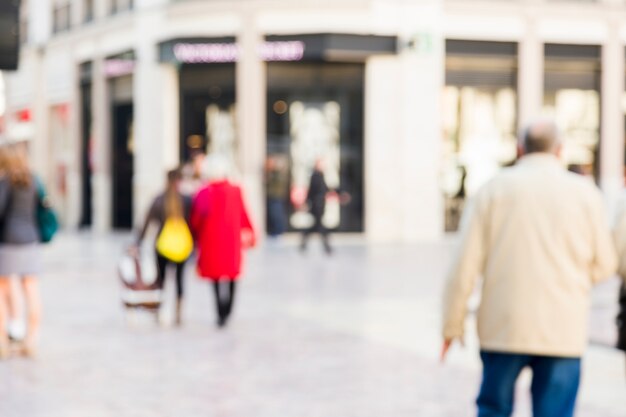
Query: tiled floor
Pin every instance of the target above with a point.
(352, 335)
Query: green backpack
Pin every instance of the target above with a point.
(46, 217)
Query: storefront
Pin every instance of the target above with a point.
(314, 107)
(479, 118)
(119, 72)
(572, 98)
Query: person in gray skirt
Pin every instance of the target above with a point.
(20, 252)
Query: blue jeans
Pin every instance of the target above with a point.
(554, 385)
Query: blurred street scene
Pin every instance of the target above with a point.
(356, 335)
(373, 123)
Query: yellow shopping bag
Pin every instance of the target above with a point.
(175, 241)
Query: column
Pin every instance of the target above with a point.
(251, 92)
(150, 92)
(170, 111)
(101, 149)
(612, 132)
(39, 146)
(530, 74)
(403, 130)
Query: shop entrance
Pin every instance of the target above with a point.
(87, 194)
(479, 119)
(123, 165)
(207, 110)
(315, 112)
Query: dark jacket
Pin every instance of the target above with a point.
(316, 197)
(157, 214)
(621, 320)
(18, 206)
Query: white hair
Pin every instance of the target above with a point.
(215, 167)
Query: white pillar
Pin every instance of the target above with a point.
(74, 163)
(101, 149)
(530, 75)
(612, 137)
(148, 125)
(383, 150)
(170, 114)
(251, 88)
(39, 147)
(403, 131)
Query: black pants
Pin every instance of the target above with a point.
(318, 227)
(224, 302)
(162, 264)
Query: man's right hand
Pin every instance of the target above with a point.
(445, 348)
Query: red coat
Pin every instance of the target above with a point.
(219, 221)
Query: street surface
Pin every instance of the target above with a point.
(355, 335)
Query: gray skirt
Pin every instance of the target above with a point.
(20, 259)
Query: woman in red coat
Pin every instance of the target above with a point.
(222, 228)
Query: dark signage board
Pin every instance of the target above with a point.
(292, 48)
(9, 34)
(340, 47)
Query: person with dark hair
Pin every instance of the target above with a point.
(619, 235)
(538, 236)
(170, 205)
(621, 319)
(316, 200)
(20, 252)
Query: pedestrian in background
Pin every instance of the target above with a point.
(191, 172)
(539, 238)
(277, 189)
(619, 235)
(5, 290)
(222, 228)
(316, 202)
(171, 212)
(20, 252)
(621, 319)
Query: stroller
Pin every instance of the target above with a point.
(136, 294)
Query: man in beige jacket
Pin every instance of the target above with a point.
(538, 237)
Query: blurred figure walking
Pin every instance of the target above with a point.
(171, 211)
(191, 172)
(20, 252)
(316, 201)
(222, 228)
(539, 238)
(276, 184)
(620, 244)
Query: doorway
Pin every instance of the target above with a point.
(86, 219)
(315, 112)
(123, 165)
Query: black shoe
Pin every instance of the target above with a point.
(221, 322)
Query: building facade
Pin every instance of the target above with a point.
(412, 105)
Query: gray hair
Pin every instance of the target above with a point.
(216, 167)
(540, 136)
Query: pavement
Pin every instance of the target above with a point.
(353, 335)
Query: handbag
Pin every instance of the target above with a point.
(175, 241)
(47, 220)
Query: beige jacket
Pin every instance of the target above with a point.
(538, 236)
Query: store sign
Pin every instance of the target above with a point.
(279, 48)
(114, 68)
(212, 53)
(282, 51)
(206, 53)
